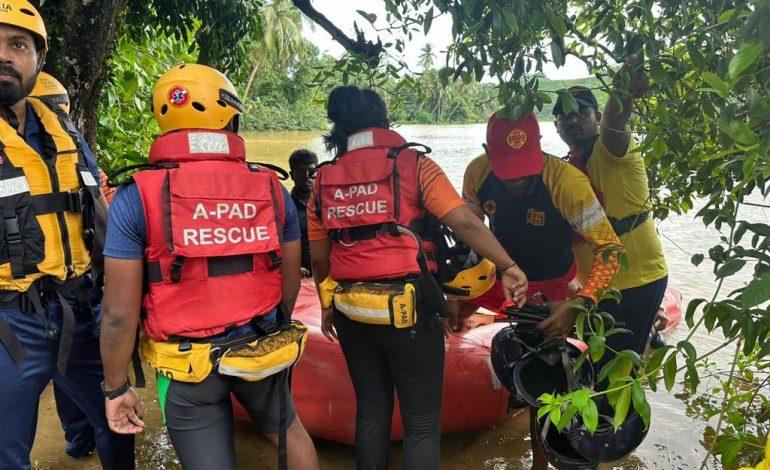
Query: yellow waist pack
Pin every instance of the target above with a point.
(377, 303)
(251, 358)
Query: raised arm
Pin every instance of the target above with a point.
(614, 132)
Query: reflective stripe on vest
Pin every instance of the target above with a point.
(50, 241)
(214, 228)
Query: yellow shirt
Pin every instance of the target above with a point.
(622, 182)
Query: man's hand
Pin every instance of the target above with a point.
(639, 83)
(515, 285)
(124, 412)
(560, 321)
(327, 327)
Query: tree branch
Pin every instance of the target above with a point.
(360, 46)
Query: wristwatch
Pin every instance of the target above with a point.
(113, 394)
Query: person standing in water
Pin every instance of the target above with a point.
(369, 225)
(302, 165)
(603, 148)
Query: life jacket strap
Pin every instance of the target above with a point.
(53, 203)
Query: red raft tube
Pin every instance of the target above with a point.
(474, 399)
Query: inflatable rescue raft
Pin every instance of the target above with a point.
(474, 399)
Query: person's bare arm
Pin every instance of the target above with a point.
(120, 317)
(290, 274)
(615, 133)
(319, 254)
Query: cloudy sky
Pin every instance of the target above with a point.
(343, 14)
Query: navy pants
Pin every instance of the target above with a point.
(78, 432)
(636, 312)
(21, 385)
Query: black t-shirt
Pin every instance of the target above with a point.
(302, 216)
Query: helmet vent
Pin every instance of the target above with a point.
(483, 278)
(183, 66)
(466, 287)
(164, 110)
(27, 12)
(198, 106)
(222, 103)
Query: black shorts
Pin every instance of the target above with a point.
(199, 416)
(191, 406)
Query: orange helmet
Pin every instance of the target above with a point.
(194, 96)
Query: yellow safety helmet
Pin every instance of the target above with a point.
(51, 90)
(24, 15)
(472, 281)
(194, 96)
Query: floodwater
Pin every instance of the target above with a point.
(676, 436)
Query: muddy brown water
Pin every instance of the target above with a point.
(675, 439)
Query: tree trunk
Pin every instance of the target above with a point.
(81, 38)
(245, 95)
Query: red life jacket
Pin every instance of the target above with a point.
(363, 198)
(214, 227)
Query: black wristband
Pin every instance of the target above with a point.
(509, 267)
(113, 394)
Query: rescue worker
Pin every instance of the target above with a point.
(302, 165)
(218, 240)
(49, 200)
(602, 147)
(369, 225)
(78, 432)
(536, 205)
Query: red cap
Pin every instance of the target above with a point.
(513, 147)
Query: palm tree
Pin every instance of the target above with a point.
(426, 57)
(281, 38)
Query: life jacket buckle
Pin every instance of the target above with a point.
(175, 270)
(275, 261)
(12, 231)
(75, 201)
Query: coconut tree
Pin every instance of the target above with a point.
(281, 37)
(427, 56)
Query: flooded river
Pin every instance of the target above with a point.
(676, 435)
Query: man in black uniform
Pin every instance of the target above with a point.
(302, 165)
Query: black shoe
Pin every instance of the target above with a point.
(657, 341)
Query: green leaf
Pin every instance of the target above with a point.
(566, 417)
(621, 407)
(741, 132)
(690, 313)
(746, 56)
(641, 405)
(511, 21)
(555, 414)
(696, 259)
(557, 54)
(581, 397)
(729, 268)
(757, 292)
(590, 415)
(428, 21)
(370, 17)
(688, 349)
(722, 87)
(669, 372)
(596, 347)
(568, 102)
(543, 410)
